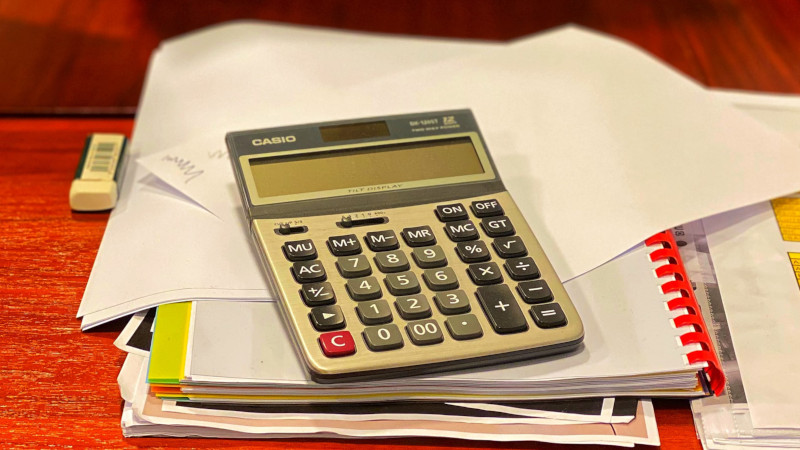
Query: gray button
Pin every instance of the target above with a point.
(413, 307)
(452, 302)
(395, 261)
(403, 283)
(464, 327)
(549, 315)
(364, 288)
(316, 294)
(424, 332)
(509, 247)
(353, 266)
(440, 279)
(485, 273)
(374, 312)
(327, 317)
(383, 337)
(429, 257)
(308, 271)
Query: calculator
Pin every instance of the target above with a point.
(395, 249)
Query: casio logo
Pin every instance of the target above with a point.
(274, 140)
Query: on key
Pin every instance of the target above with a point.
(501, 308)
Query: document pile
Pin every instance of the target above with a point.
(601, 146)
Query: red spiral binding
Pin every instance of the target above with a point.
(674, 266)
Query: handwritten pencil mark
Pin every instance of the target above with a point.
(186, 166)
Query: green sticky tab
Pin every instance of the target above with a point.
(170, 337)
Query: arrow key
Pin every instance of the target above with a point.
(327, 317)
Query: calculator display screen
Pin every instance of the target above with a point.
(365, 166)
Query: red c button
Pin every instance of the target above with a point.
(337, 343)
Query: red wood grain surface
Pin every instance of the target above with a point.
(58, 385)
(81, 56)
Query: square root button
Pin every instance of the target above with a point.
(337, 343)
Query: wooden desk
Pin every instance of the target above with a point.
(58, 385)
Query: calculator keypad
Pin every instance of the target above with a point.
(389, 289)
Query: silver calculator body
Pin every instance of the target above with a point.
(395, 249)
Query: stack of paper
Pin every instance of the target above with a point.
(589, 134)
(749, 279)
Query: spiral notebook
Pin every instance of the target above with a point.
(645, 336)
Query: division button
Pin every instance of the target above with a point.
(521, 268)
(485, 273)
(394, 261)
(473, 251)
(418, 236)
(308, 271)
(337, 343)
(363, 288)
(429, 257)
(497, 226)
(374, 312)
(549, 315)
(535, 291)
(486, 208)
(463, 230)
(455, 211)
(353, 266)
(424, 332)
(500, 307)
(464, 327)
(452, 302)
(383, 337)
(299, 250)
(317, 294)
(413, 307)
(344, 245)
(509, 247)
(326, 318)
(443, 279)
(379, 241)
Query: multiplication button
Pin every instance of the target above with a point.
(299, 250)
(485, 273)
(463, 327)
(308, 271)
(344, 245)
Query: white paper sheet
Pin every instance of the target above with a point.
(583, 129)
(759, 289)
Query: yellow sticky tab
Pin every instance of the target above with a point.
(787, 213)
(170, 338)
